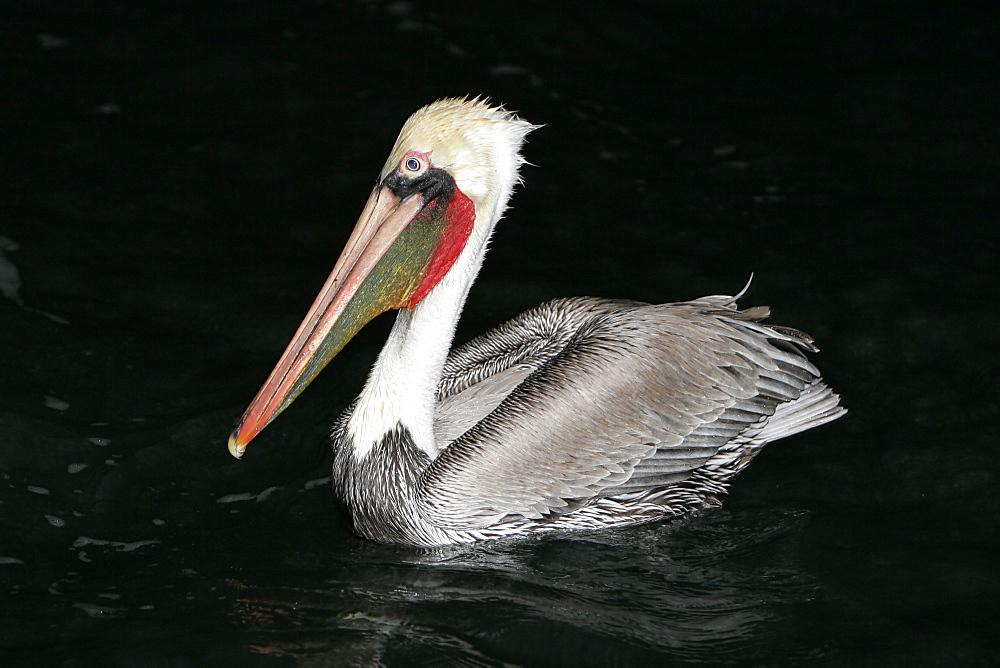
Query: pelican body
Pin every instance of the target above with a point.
(582, 413)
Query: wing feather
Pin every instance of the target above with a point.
(621, 397)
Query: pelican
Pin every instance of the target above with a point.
(582, 413)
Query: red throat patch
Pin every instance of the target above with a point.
(459, 217)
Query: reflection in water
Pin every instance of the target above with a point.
(698, 588)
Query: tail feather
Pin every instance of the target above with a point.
(817, 405)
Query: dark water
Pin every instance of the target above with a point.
(176, 182)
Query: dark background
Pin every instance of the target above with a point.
(177, 179)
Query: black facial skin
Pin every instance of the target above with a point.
(431, 184)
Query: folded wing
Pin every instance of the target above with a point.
(582, 399)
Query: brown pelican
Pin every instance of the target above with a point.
(582, 413)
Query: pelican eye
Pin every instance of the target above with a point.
(412, 164)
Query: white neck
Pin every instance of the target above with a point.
(484, 160)
(402, 386)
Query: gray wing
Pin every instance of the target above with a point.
(614, 397)
(480, 374)
(531, 338)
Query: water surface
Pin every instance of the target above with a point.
(181, 179)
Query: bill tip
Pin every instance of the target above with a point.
(236, 449)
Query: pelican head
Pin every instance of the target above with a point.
(441, 192)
